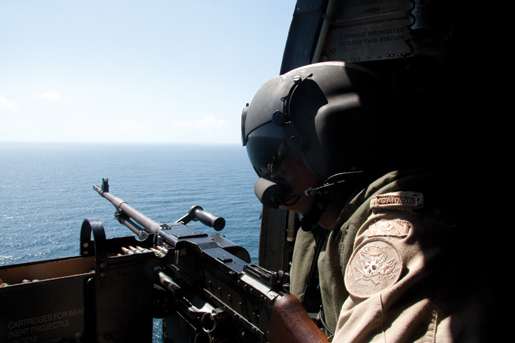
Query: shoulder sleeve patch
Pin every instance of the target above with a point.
(397, 200)
(389, 228)
(374, 266)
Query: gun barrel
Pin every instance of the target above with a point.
(149, 225)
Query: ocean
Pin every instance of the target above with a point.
(46, 192)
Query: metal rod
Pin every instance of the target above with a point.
(127, 214)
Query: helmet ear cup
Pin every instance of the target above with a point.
(339, 132)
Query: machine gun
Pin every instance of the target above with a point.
(205, 287)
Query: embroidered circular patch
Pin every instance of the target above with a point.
(374, 266)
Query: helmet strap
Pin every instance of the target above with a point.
(323, 195)
(335, 184)
(310, 220)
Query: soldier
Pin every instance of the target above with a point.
(362, 163)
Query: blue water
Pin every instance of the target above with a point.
(46, 192)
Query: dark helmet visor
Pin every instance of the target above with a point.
(267, 148)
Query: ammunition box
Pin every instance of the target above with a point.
(95, 297)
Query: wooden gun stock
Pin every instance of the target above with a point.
(290, 323)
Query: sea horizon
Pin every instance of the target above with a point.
(46, 189)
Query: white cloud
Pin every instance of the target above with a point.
(50, 95)
(8, 104)
(79, 127)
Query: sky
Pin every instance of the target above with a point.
(157, 71)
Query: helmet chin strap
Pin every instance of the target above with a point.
(335, 185)
(311, 218)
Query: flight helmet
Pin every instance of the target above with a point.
(322, 114)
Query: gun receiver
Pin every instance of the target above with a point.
(208, 286)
